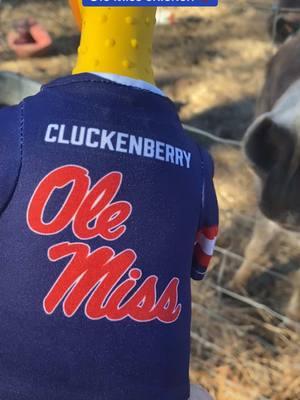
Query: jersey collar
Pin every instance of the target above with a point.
(124, 80)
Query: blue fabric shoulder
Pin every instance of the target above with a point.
(208, 163)
(10, 152)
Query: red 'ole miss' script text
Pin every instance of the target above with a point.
(108, 283)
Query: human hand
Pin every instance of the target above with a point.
(198, 393)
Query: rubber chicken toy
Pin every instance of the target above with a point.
(107, 210)
(125, 40)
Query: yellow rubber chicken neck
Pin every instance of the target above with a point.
(115, 40)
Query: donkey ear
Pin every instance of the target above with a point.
(267, 144)
(283, 29)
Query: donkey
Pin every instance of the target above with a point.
(272, 148)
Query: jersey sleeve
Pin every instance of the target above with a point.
(209, 222)
(10, 153)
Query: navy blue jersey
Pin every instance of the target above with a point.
(107, 209)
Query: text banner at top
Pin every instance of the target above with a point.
(150, 3)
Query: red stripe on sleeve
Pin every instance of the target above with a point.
(202, 259)
(211, 232)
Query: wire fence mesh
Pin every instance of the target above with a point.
(240, 334)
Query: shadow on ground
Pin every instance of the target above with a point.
(228, 121)
(66, 45)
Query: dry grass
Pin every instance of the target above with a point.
(241, 353)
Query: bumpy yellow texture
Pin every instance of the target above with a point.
(115, 40)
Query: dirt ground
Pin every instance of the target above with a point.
(211, 63)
